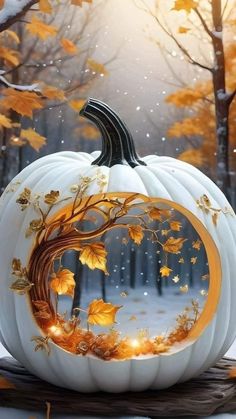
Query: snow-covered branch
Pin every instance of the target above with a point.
(28, 88)
(12, 11)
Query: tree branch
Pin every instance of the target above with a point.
(204, 24)
(28, 88)
(6, 20)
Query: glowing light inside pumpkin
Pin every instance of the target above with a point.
(55, 330)
(135, 343)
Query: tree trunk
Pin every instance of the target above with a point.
(221, 100)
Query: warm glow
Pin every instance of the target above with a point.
(55, 330)
(134, 343)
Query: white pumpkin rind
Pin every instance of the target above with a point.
(163, 177)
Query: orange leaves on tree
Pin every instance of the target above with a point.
(45, 6)
(69, 46)
(80, 2)
(22, 102)
(194, 156)
(184, 97)
(9, 56)
(52, 92)
(186, 5)
(136, 233)
(173, 245)
(4, 121)
(101, 313)
(165, 271)
(89, 132)
(97, 67)
(77, 104)
(39, 28)
(63, 283)
(35, 140)
(94, 255)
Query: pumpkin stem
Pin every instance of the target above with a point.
(117, 142)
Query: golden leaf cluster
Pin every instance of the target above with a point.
(94, 255)
(136, 233)
(185, 5)
(101, 313)
(173, 245)
(23, 103)
(62, 282)
(21, 285)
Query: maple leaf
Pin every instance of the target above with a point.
(181, 260)
(35, 140)
(175, 225)
(10, 56)
(4, 383)
(22, 102)
(183, 29)
(77, 105)
(24, 199)
(94, 256)
(136, 233)
(45, 6)
(193, 260)
(39, 28)
(196, 244)
(51, 198)
(165, 232)
(184, 289)
(4, 121)
(101, 313)
(97, 67)
(186, 5)
(173, 245)
(52, 92)
(176, 279)
(165, 271)
(69, 46)
(155, 214)
(21, 286)
(63, 283)
(80, 2)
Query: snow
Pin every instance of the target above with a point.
(27, 88)
(12, 8)
(218, 34)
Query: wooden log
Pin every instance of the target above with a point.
(211, 392)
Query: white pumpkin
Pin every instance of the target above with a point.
(153, 176)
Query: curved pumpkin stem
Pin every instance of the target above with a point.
(118, 146)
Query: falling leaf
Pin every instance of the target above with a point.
(136, 233)
(204, 293)
(193, 260)
(5, 384)
(45, 6)
(175, 225)
(35, 140)
(165, 271)
(24, 199)
(101, 313)
(173, 245)
(196, 244)
(183, 29)
(205, 277)
(4, 121)
(39, 28)
(41, 344)
(63, 283)
(181, 260)
(186, 5)
(10, 56)
(184, 289)
(77, 105)
(21, 286)
(52, 92)
(51, 198)
(165, 232)
(23, 103)
(80, 2)
(215, 218)
(176, 279)
(97, 67)
(124, 294)
(155, 214)
(94, 256)
(69, 46)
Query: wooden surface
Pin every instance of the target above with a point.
(210, 393)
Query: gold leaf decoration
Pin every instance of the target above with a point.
(175, 225)
(34, 226)
(41, 344)
(21, 286)
(165, 271)
(173, 245)
(63, 283)
(94, 256)
(193, 260)
(52, 197)
(101, 313)
(136, 233)
(184, 289)
(24, 198)
(196, 244)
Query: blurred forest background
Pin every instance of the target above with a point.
(166, 66)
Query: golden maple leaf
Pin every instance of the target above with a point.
(69, 46)
(173, 245)
(45, 6)
(52, 92)
(165, 271)
(39, 28)
(155, 214)
(136, 233)
(22, 102)
(80, 2)
(94, 256)
(97, 67)
(196, 244)
(184, 289)
(176, 279)
(165, 232)
(51, 198)
(181, 260)
(77, 105)
(21, 286)
(186, 5)
(183, 29)
(63, 283)
(101, 313)
(10, 56)
(193, 260)
(4, 121)
(35, 140)
(175, 225)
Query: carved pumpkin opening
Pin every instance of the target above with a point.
(160, 244)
